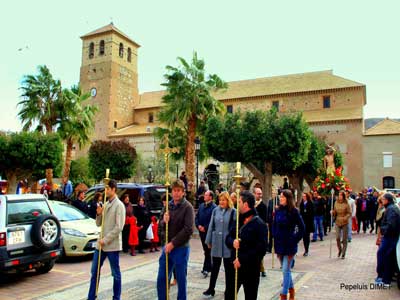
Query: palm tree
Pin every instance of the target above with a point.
(39, 100)
(189, 103)
(76, 121)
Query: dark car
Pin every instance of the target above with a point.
(152, 194)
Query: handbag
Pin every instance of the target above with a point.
(149, 233)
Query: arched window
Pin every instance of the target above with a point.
(388, 182)
(101, 49)
(121, 50)
(129, 54)
(91, 50)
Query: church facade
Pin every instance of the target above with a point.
(332, 105)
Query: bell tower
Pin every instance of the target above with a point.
(109, 72)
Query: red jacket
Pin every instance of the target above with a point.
(154, 227)
(133, 231)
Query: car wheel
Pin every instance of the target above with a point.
(45, 233)
(46, 267)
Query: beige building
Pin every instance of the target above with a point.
(382, 155)
(332, 105)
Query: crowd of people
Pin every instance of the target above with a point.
(276, 225)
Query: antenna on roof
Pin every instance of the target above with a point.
(111, 23)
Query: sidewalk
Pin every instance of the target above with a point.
(316, 277)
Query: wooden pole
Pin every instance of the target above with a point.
(106, 180)
(167, 151)
(330, 237)
(238, 178)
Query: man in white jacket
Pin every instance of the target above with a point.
(353, 206)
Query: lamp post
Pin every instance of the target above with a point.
(150, 175)
(197, 151)
(177, 171)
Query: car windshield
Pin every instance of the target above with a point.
(26, 211)
(65, 212)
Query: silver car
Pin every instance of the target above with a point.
(30, 234)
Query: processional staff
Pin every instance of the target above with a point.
(238, 178)
(106, 180)
(167, 151)
(330, 237)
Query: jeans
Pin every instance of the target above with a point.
(318, 227)
(113, 258)
(177, 259)
(386, 259)
(350, 229)
(286, 263)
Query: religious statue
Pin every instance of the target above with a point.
(329, 160)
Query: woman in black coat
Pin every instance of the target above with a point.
(143, 221)
(307, 213)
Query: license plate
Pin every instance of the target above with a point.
(16, 237)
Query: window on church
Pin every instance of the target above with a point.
(327, 101)
(129, 54)
(229, 109)
(91, 50)
(101, 50)
(151, 117)
(121, 50)
(275, 104)
(387, 159)
(115, 124)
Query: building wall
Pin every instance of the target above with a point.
(347, 137)
(374, 146)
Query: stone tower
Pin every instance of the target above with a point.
(109, 73)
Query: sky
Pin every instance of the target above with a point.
(358, 40)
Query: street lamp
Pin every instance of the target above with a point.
(150, 174)
(197, 151)
(177, 171)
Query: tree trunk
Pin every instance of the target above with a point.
(265, 179)
(297, 182)
(12, 181)
(49, 128)
(49, 177)
(190, 151)
(68, 158)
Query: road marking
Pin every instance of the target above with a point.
(303, 280)
(67, 272)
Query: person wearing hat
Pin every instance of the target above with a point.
(390, 231)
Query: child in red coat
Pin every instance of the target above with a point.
(156, 239)
(133, 234)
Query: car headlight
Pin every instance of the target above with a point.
(73, 232)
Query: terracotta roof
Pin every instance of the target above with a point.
(267, 86)
(109, 28)
(133, 130)
(349, 113)
(385, 127)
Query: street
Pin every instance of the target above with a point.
(316, 276)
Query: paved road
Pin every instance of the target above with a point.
(316, 277)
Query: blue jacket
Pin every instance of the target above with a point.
(288, 229)
(203, 215)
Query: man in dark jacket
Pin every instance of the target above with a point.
(251, 245)
(261, 209)
(180, 219)
(390, 230)
(202, 221)
(319, 212)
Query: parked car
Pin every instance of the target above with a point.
(152, 194)
(30, 234)
(79, 232)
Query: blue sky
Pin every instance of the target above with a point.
(357, 39)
